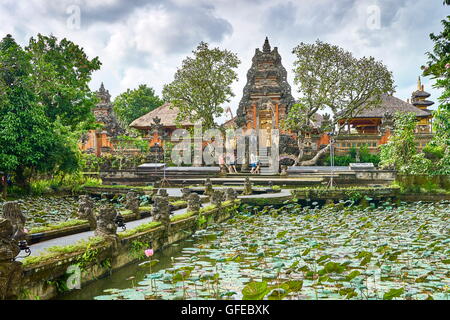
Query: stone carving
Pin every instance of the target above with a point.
(10, 270)
(217, 197)
(230, 194)
(185, 193)
(208, 187)
(157, 127)
(86, 210)
(387, 122)
(104, 114)
(267, 78)
(13, 213)
(247, 187)
(132, 203)
(106, 222)
(161, 208)
(194, 202)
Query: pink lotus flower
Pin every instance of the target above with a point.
(25, 230)
(447, 66)
(149, 252)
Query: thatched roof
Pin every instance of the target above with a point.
(167, 115)
(391, 104)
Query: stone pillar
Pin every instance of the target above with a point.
(106, 224)
(161, 210)
(230, 194)
(194, 203)
(86, 211)
(132, 203)
(208, 187)
(217, 198)
(186, 192)
(10, 270)
(247, 187)
(13, 213)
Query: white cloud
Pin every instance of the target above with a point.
(144, 41)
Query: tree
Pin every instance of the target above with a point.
(133, 104)
(438, 68)
(330, 78)
(61, 74)
(400, 152)
(203, 84)
(29, 142)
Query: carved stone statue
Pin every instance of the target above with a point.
(132, 203)
(10, 270)
(230, 194)
(247, 187)
(86, 210)
(185, 193)
(13, 213)
(217, 197)
(161, 209)
(208, 187)
(106, 226)
(194, 202)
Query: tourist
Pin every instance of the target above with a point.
(253, 163)
(231, 160)
(221, 162)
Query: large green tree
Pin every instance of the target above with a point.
(400, 153)
(133, 104)
(331, 79)
(438, 68)
(61, 73)
(29, 141)
(203, 84)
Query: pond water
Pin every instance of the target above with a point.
(294, 252)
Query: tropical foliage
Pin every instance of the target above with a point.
(330, 78)
(438, 68)
(203, 84)
(133, 104)
(44, 104)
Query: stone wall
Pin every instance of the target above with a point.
(41, 280)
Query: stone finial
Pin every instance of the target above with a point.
(132, 203)
(10, 270)
(13, 213)
(247, 187)
(106, 225)
(230, 194)
(86, 210)
(208, 187)
(266, 46)
(217, 197)
(103, 94)
(194, 202)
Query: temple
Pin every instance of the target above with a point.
(102, 140)
(267, 95)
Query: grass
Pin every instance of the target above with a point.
(59, 251)
(142, 228)
(62, 225)
(182, 216)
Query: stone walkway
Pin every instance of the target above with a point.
(39, 247)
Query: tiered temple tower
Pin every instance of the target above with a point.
(267, 94)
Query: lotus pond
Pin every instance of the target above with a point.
(293, 252)
(43, 211)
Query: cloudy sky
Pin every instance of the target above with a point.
(144, 41)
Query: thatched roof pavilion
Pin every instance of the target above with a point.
(168, 115)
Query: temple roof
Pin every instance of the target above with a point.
(391, 104)
(167, 115)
